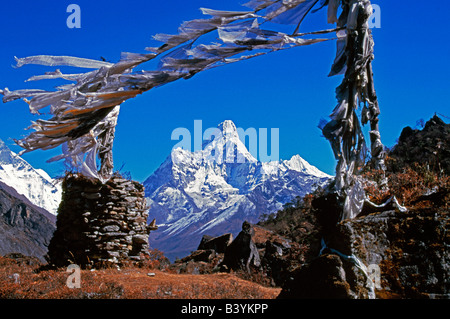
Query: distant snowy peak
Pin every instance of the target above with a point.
(214, 189)
(296, 163)
(34, 184)
(225, 160)
(228, 140)
(228, 128)
(221, 145)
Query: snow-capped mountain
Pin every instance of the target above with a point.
(213, 190)
(35, 184)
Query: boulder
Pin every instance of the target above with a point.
(390, 254)
(410, 249)
(323, 278)
(242, 252)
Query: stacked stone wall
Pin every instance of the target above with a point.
(100, 224)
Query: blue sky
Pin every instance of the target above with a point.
(288, 90)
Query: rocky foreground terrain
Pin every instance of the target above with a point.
(23, 278)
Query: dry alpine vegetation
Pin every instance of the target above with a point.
(23, 278)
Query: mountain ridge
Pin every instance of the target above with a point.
(25, 228)
(35, 184)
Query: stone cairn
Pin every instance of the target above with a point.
(100, 225)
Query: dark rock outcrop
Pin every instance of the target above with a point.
(218, 244)
(271, 257)
(411, 250)
(406, 255)
(206, 259)
(429, 146)
(323, 278)
(224, 253)
(242, 252)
